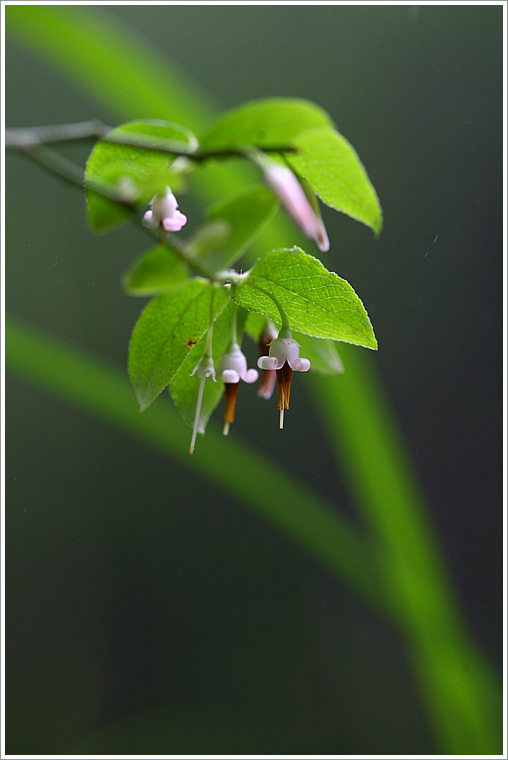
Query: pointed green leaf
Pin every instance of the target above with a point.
(157, 271)
(264, 123)
(146, 171)
(334, 172)
(317, 302)
(166, 331)
(184, 388)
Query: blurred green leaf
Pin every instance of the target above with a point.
(157, 271)
(322, 353)
(264, 123)
(317, 302)
(334, 172)
(137, 170)
(207, 239)
(184, 388)
(165, 333)
(246, 214)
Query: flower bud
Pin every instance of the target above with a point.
(292, 195)
(164, 213)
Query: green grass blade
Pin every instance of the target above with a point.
(105, 392)
(98, 52)
(458, 684)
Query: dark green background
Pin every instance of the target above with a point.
(146, 611)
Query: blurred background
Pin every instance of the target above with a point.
(146, 610)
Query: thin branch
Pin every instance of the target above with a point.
(73, 175)
(26, 138)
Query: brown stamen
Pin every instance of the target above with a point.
(284, 375)
(231, 390)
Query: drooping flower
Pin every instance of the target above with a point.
(267, 383)
(205, 369)
(292, 195)
(233, 368)
(284, 357)
(164, 213)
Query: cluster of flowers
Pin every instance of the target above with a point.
(281, 353)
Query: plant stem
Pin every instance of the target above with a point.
(283, 316)
(73, 175)
(26, 138)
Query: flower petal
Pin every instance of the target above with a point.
(269, 362)
(321, 237)
(300, 364)
(267, 383)
(174, 223)
(148, 219)
(230, 376)
(250, 376)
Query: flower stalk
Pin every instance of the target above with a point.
(205, 368)
(233, 368)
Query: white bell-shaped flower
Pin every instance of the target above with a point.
(205, 368)
(232, 369)
(284, 357)
(164, 213)
(284, 349)
(265, 388)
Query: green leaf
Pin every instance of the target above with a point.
(334, 171)
(166, 331)
(207, 239)
(246, 214)
(322, 352)
(184, 388)
(146, 171)
(255, 324)
(317, 302)
(264, 123)
(155, 272)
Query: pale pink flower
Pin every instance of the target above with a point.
(292, 195)
(165, 213)
(284, 357)
(267, 383)
(233, 368)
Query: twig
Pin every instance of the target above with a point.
(73, 175)
(27, 138)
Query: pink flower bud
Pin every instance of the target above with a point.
(292, 195)
(164, 213)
